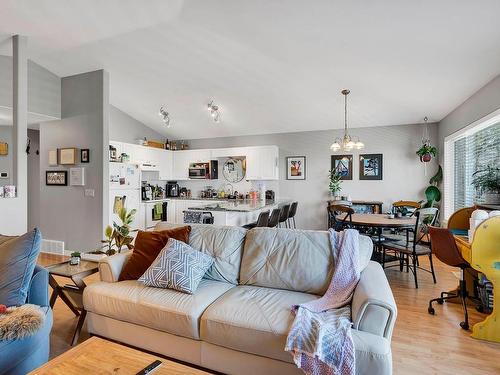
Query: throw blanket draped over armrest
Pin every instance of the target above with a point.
(320, 338)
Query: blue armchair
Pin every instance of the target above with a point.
(18, 357)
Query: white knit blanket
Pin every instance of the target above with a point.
(320, 338)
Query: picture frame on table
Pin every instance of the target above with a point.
(56, 178)
(296, 168)
(67, 156)
(371, 166)
(85, 155)
(343, 165)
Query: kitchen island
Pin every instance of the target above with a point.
(237, 212)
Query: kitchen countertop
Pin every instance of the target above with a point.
(197, 199)
(245, 205)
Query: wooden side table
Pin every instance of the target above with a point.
(71, 294)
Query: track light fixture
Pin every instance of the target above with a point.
(214, 111)
(165, 117)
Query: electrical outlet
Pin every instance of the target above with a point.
(89, 192)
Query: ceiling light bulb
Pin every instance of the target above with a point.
(335, 146)
(360, 145)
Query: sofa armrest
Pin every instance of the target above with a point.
(38, 292)
(110, 267)
(373, 307)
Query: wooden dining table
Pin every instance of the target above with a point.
(381, 221)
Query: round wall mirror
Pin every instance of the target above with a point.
(234, 170)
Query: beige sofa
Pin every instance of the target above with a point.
(238, 319)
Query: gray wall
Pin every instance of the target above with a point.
(34, 180)
(6, 162)
(67, 214)
(44, 88)
(480, 104)
(403, 174)
(124, 128)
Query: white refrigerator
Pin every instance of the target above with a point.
(125, 189)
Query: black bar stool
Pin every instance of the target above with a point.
(275, 217)
(284, 215)
(291, 215)
(262, 221)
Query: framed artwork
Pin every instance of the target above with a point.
(67, 156)
(52, 158)
(296, 168)
(343, 165)
(370, 166)
(56, 178)
(85, 155)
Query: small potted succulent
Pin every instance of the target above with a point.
(426, 152)
(487, 183)
(75, 258)
(335, 185)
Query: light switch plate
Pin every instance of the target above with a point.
(89, 192)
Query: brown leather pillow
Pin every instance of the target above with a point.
(147, 247)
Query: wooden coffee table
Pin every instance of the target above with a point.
(97, 356)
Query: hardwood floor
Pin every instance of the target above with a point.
(421, 343)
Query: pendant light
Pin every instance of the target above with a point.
(346, 143)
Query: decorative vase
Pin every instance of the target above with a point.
(492, 198)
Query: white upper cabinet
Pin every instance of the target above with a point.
(262, 163)
(165, 164)
(229, 152)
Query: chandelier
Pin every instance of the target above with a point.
(346, 143)
(214, 111)
(165, 117)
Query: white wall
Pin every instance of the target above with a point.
(44, 88)
(124, 128)
(66, 213)
(404, 176)
(34, 180)
(483, 102)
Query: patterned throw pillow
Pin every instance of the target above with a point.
(178, 267)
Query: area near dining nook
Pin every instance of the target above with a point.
(250, 187)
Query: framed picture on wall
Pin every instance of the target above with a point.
(296, 168)
(370, 166)
(343, 165)
(85, 155)
(67, 156)
(56, 178)
(52, 158)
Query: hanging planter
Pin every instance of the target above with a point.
(426, 152)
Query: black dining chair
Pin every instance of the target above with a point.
(262, 221)
(274, 218)
(284, 216)
(415, 246)
(335, 219)
(291, 215)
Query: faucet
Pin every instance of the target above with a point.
(231, 187)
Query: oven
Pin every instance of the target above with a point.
(152, 216)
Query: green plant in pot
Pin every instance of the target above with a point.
(426, 152)
(121, 232)
(487, 184)
(335, 185)
(75, 258)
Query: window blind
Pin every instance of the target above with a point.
(472, 151)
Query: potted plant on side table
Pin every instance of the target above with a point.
(487, 184)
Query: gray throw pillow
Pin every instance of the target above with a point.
(178, 267)
(18, 257)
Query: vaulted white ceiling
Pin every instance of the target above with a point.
(271, 65)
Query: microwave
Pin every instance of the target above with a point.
(204, 171)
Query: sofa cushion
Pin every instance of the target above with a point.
(298, 260)
(162, 309)
(225, 245)
(18, 257)
(253, 320)
(178, 267)
(147, 246)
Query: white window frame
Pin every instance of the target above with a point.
(449, 157)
